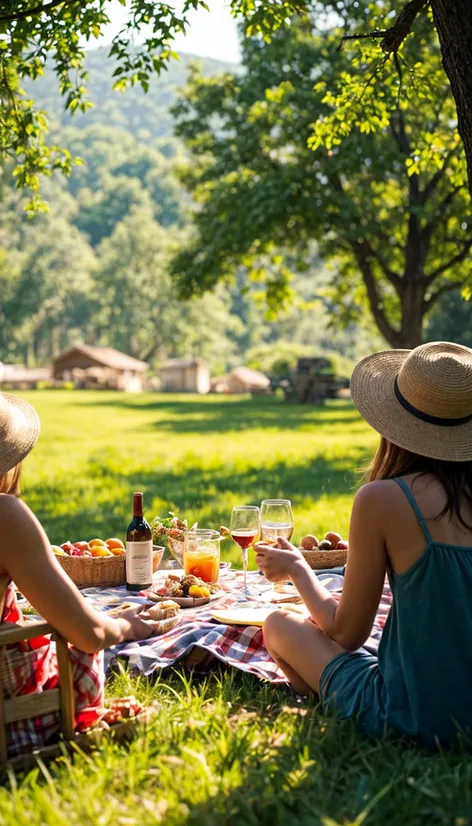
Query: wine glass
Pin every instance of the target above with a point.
(276, 519)
(245, 525)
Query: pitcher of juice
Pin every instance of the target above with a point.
(202, 554)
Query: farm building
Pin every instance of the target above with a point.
(185, 376)
(245, 380)
(100, 367)
(19, 377)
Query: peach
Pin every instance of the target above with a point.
(309, 542)
(114, 543)
(117, 551)
(101, 550)
(94, 542)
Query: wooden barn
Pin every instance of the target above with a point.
(185, 376)
(245, 380)
(100, 367)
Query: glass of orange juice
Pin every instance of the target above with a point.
(202, 554)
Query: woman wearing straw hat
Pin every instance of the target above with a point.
(413, 522)
(27, 560)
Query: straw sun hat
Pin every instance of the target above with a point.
(19, 431)
(420, 400)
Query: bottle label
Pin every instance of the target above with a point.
(139, 562)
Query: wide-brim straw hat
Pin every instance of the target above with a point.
(19, 431)
(421, 399)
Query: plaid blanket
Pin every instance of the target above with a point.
(200, 642)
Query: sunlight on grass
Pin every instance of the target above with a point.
(197, 456)
(225, 750)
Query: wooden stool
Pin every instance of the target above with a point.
(34, 705)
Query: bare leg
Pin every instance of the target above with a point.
(300, 649)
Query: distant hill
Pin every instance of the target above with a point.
(145, 115)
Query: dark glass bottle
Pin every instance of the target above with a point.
(138, 549)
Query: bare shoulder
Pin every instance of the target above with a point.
(378, 494)
(13, 509)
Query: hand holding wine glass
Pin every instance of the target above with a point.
(276, 519)
(245, 525)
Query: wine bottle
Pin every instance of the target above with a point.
(138, 549)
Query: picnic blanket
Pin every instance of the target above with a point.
(201, 642)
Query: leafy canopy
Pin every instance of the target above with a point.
(32, 31)
(276, 168)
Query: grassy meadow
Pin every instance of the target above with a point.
(226, 750)
(196, 456)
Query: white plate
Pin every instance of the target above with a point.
(250, 615)
(186, 602)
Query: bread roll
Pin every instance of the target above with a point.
(163, 610)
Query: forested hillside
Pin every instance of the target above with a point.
(95, 268)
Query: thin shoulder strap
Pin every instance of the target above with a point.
(414, 504)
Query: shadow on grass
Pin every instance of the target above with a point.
(188, 488)
(214, 415)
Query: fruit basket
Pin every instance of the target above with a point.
(324, 559)
(101, 572)
(331, 552)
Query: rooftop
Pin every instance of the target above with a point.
(106, 357)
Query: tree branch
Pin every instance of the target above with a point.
(396, 34)
(456, 259)
(362, 255)
(391, 276)
(393, 37)
(35, 10)
(439, 213)
(433, 182)
(446, 288)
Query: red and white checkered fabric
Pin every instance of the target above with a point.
(30, 667)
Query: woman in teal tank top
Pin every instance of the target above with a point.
(413, 523)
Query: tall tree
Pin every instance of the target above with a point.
(398, 230)
(140, 311)
(30, 29)
(389, 26)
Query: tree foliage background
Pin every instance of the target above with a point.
(279, 162)
(96, 266)
(312, 154)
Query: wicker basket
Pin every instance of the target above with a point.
(101, 571)
(324, 559)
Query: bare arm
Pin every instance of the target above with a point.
(348, 622)
(26, 556)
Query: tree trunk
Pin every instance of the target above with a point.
(412, 313)
(453, 21)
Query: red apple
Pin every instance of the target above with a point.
(342, 545)
(82, 546)
(67, 547)
(80, 552)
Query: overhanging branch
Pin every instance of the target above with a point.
(446, 288)
(362, 255)
(456, 259)
(43, 8)
(393, 37)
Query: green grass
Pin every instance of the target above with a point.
(227, 749)
(196, 456)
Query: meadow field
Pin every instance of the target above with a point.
(225, 749)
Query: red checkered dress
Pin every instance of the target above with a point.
(30, 667)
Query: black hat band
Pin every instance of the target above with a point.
(425, 417)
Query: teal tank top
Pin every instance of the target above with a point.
(425, 653)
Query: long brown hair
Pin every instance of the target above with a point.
(10, 481)
(455, 477)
